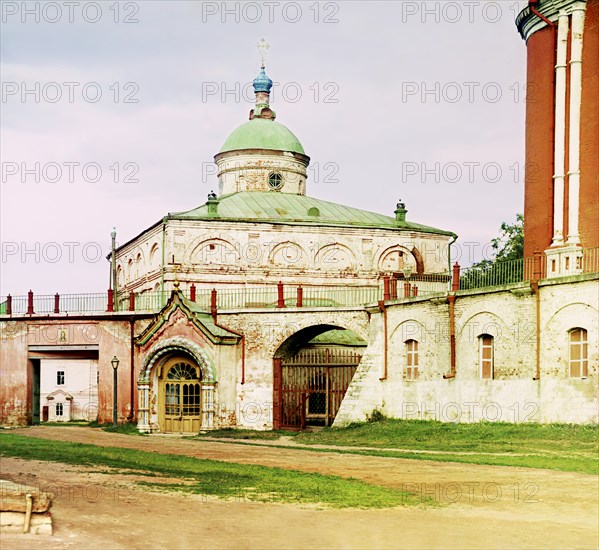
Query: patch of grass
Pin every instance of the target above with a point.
(128, 429)
(211, 477)
(501, 437)
(567, 447)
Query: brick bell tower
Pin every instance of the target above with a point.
(561, 203)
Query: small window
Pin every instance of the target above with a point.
(411, 372)
(486, 356)
(275, 180)
(60, 378)
(59, 409)
(579, 353)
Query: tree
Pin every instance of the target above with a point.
(504, 267)
(510, 243)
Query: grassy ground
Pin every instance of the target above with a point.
(211, 477)
(564, 447)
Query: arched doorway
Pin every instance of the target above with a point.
(179, 386)
(312, 371)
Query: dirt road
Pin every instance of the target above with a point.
(480, 506)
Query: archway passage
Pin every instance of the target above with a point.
(180, 393)
(312, 371)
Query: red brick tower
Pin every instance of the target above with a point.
(561, 204)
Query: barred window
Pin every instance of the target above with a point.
(579, 353)
(485, 342)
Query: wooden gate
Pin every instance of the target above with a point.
(309, 387)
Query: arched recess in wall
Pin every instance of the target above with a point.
(395, 259)
(335, 257)
(288, 255)
(557, 331)
(484, 322)
(419, 260)
(155, 259)
(510, 352)
(139, 265)
(130, 270)
(215, 252)
(410, 329)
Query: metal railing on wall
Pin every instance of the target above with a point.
(554, 263)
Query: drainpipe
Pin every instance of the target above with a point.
(535, 288)
(559, 146)
(532, 4)
(385, 346)
(113, 264)
(578, 15)
(453, 240)
(452, 372)
(163, 253)
(131, 414)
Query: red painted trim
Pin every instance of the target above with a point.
(110, 307)
(455, 281)
(280, 295)
(30, 303)
(452, 350)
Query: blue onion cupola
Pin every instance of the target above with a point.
(262, 83)
(262, 86)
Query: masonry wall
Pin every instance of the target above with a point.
(68, 339)
(223, 254)
(509, 315)
(244, 393)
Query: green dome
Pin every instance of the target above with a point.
(260, 133)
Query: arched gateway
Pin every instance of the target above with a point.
(312, 370)
(176, 388)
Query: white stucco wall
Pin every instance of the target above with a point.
(80, 377)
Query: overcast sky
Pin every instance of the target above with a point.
(112, 113)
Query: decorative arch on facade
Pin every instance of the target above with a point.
(149, 399)
(490, 323)
(419, 261)
(130, 270)
(558, 328)
(506, 355)
(215, 251)
(138, 264)
(155, 259)
(335, 257)
(395, 259)
(409, 329)
(288, 254)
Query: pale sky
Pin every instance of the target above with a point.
(410, 100)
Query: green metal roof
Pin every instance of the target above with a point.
(262, 133)
(287, 208)
(338, 337)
